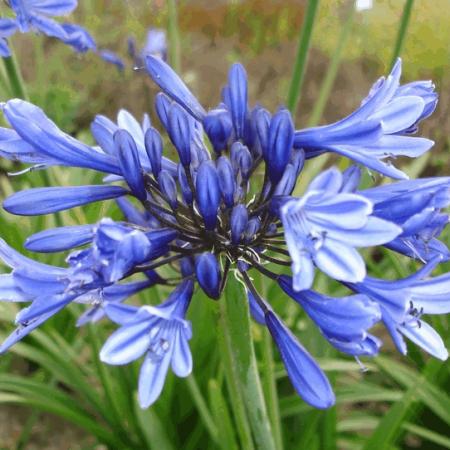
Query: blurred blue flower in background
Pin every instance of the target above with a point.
(196, 219)
(35, 15)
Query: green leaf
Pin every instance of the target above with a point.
(227, 440)
(153, 428)
(427, 434)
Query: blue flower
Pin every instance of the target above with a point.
(160, 333)
(417, 207)
(343, 321)
(379, 130)
(205, 215)
(36, 15)
(323, 228)
(403, 302)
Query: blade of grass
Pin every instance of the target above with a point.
(427, 434)
(430, 394)
(332, 70)
(174, 35)
(390, 426)
(202, 408)
(270, 389)
(155, 434)
(219, 408)
(298, 72)
(401, 34)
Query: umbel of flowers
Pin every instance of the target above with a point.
(226, 205)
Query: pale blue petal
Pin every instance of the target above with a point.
(426, 337)
(151, 378)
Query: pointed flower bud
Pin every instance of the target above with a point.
(129, 163)
(184, 185)
(238, 223)
(168, 188)
(227, 180)
(218, 127)
(208, 193)
(154, 149)
(180, 132)
(162, 105)
(279, 150)
(253, 226)
(237, 84)
(262, 129)
(208, 274)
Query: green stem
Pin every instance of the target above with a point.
(174, 36)
(235, 328)
(14, 76)
(402, 30)
(331, 73)
(270, 389)
(202, 407)
(302, 55)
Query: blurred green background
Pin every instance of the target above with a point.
(399, 403)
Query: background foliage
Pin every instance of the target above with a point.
(54, 392)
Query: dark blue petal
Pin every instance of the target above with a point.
(255, 310)
(237, 83)
(208, 274)
(154, 149)
(38, 201)
(208, 193)
(180, 133)
(253, 226)
(168, 188)
(130, 164)
(218, 127)
(227, 180)
(162, 104)
(186, 191)
(262, 128)
(238, 222)
(279, 147)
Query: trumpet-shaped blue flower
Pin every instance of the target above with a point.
(323, 228)
(403, 302)
(160, 333)
(378, 131)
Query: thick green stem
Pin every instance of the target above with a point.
(402, 30)
(174, 36)
(302, 55)
(17, 86)
(235, 330)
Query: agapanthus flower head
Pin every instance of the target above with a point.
(207, 214)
